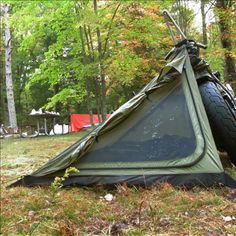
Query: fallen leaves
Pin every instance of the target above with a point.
(158, 210)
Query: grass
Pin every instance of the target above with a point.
(158, 210)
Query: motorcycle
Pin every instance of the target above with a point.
(218, 98)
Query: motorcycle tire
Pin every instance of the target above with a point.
(221, 118)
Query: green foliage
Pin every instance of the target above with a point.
(58, 181)
(140, 41)
(69, 95)
(48, 53)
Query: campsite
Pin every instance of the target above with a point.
(162, 209)
(118, 117)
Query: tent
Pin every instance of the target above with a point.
(79, 121)
(161, 134)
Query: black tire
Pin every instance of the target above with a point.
(221, 117)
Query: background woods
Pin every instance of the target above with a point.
(89, 56)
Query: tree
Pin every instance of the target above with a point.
(138, 44)
(8, 69)
(102, 54)
(3, 111)
(204, 28)
(47, 54)
(224, 11)
(183, 15)
(86, 56)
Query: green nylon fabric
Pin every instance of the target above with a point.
(205, 158)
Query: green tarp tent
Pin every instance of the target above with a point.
(161, 134)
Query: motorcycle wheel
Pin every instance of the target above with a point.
(221, 118)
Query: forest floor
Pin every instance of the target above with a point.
(158, 210)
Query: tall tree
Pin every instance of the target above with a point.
(102, 53)
(204, 28)
(8, 70)
(224, 10)
(51, 52)
(183, 15)
(2, 73)
(85, 62)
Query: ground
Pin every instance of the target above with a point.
(159, 210)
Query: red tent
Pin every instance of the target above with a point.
(80, 121)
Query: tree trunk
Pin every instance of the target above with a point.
(8, 70)
(95, 80)
(3, 115)
(90, 47)
(204, 29)
(90, 111)
(85, 61)
(101, 69)
(3, 108)
(98, 99)
(102, 56)
(226, 40)
(180, 6)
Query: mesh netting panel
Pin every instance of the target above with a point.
(160, 129)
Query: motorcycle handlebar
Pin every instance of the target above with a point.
(184, 42)
(200, 45)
